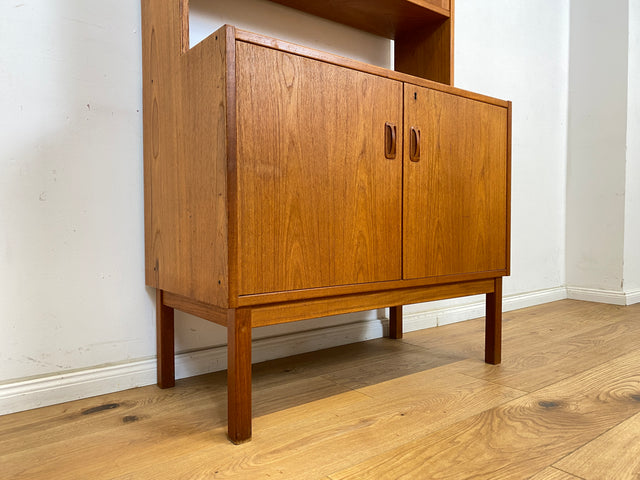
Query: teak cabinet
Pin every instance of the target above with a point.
(283, 183)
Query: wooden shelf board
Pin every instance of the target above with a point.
(387, 18)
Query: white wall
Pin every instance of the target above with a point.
(77, 319)
(597, 139)
(632, 194)
(71, 279)
(519, 51)
(603, 183)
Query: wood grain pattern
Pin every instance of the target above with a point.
(318, 202)
(552, 422)
(493, 325)
(508, 219)
(387, 18)
(185, 179)
(165, 343)
(312, 293)
(557, 358)
(427, 52)
(132, 426)
(455, 198)
(239, 375)
(312, 424)
(290, 312)
(183, 17)
(554, 474)
(269, 42)
(203, 244)
(535, 342)
(615, 454)
(420, 402)
(191, 229)
(161, 27)
(232, 170)
(203, 310)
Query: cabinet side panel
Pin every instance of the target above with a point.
(185, 158)
(427, 52)
(508, 219)
(203, 270)
(161, 33)
(319, 204)
(456, 195)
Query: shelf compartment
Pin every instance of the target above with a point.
(387, 18)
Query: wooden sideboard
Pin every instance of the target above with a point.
(284, 183)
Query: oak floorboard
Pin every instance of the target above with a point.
(44, 427)
(615, 454)
(524, 435)
(160, 428)
(523, 330)
(551, 473)
(381, 370)
(286, 444)
(531, 368)
(354, 365)
(343, 410)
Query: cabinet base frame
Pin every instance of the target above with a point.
(240, 321)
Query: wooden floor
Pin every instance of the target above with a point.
(564, 404)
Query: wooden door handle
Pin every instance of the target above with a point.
(414, 145)
(390, 141)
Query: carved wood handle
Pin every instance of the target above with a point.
(390, 141)
(414, 148)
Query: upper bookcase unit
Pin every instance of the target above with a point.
(422, 29)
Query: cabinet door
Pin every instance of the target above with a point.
(455, 192)
(319, 203)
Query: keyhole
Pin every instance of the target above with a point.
(415, 95)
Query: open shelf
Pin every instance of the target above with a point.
(387, 18)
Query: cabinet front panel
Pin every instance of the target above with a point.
(318, 201)
(455, 190)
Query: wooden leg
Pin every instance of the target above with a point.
(395, 322)
(165, 349)
(493, 328)
(239, 375)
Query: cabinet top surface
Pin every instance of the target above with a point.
(387, 18)
(257, 39)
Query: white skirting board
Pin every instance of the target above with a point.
(603, 296)
(52, 389)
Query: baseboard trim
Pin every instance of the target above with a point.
(27, 394)
(603, 296)
(633, 297)
(446, 316)
(52, 389)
